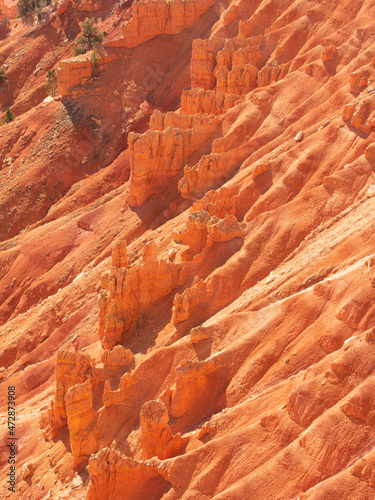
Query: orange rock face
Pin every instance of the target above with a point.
(159, 155)
(157, 438)
(81, 416)
(151, 18)
(71, 369)
(111, 474)
(128, 291)
(187, 262)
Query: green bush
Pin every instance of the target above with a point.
(3, 76)
(51, 82)
(89, 39)
(9, 116)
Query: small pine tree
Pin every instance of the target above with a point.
(89, 39)
(51, 82)
(25, 7)
(9, 116)
(3, 76)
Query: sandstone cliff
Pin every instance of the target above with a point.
(187, 261)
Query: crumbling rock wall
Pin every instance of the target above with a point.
(199, 100)
(159, 154)
(151, 18)
(71, 368)
(81, 420)
(157, 438)
(128, 291)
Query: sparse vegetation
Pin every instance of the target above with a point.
(51, 82)
(3, 76)
(9, 116)
(26, 7)
(90, 37)
(94, 61)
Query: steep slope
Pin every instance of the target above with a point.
(187, 265)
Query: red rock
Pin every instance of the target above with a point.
(191, 383)
(206, 101)
(329, 53)
(357, 81)
(128, 291)
(157, 438)
(81, 417)
(71, 369)
(153, 18)
(185, 302)
(159, 155)
(112, 474)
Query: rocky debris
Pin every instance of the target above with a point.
(81, 419)
(151, 18)
(26, 470)
(157, 156)
(157, 438)
(198, 334)
(299, 137)
(360, 114)
(211, 171)
(112, 474)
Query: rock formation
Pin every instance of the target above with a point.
(160, 154)
(77, 71)
(116, 360)
(81, 420)
(112, 474)
(151, 18)
(157, 438)
(184, 303)
(127, 291)
(360, 113)
(71, 368)
(202, 231)
(211, 171)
